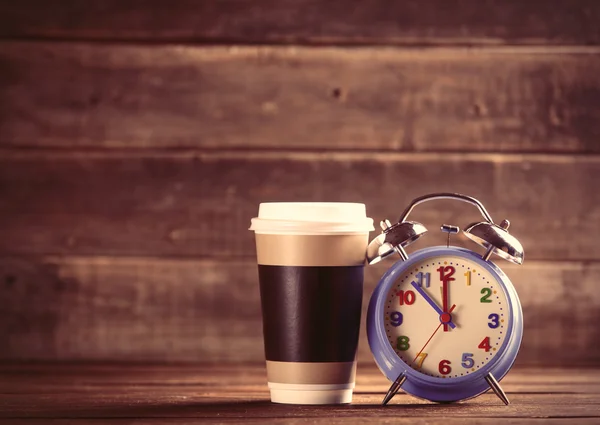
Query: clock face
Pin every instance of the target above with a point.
(447, 316)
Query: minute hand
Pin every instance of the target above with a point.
(430, 301)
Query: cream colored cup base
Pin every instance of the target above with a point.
(310, 393)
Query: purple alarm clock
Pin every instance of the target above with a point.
(445, 324)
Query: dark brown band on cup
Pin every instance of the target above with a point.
(311, 373)
(311, 314)
(311, 250)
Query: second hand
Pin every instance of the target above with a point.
(431, 337)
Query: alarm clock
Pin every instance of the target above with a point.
(445, 323)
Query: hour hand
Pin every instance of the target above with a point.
(432, 303)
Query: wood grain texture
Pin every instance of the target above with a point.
(192, 394)
(308, 21)
(174, 310)
(200, 204)
(122, 97)
(319, 418)
(46, 377)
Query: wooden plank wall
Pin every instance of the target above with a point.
(138, 138)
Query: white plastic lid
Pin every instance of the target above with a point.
(312, 217)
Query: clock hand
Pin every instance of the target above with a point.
(402, 377)
(445, 300)
(432, 303)
(431, 337)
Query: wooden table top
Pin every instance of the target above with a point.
(181, 394)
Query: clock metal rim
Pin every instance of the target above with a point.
(436, 388)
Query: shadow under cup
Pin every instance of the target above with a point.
(311, 290)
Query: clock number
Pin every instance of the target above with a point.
(487, 292)
(468, 276)
(485, 344)
(444, 367)
(467, 360)
(495, 321)
(420, 277)
(406, 297)
(396, 318)
(449, 270)
(402, 343)
(420, 359)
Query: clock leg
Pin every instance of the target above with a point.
(394, 388)
(495, 386)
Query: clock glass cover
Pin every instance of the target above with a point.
(447, 316)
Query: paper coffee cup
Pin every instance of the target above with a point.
(310, 258)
